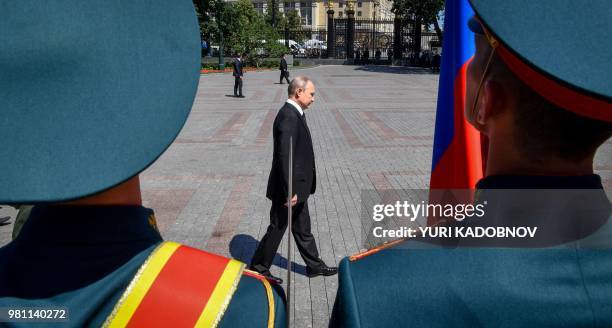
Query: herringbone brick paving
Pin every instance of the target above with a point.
(372, 128)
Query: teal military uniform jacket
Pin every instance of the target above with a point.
(83, 258)
(423, 284)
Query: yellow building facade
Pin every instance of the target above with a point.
(314, 13)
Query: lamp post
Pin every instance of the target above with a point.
(331, 43)
(285, 12)
(274, 13)
(221, 7)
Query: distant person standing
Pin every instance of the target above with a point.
(283, 68)
(204, 45)
(238, 72)
(435, 62)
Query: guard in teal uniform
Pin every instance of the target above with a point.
(92, 94)
(539, 88)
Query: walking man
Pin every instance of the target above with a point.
(541, 142)
(283, 69)
(238, 72)
(290, 122)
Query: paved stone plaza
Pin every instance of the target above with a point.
(372, 128)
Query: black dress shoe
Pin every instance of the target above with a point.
(268, 275)
(323, 270)
(272, 278)
(241, 96)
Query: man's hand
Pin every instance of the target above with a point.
(293, 201)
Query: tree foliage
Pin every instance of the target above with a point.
(424, 11)
(289, 19)
(244, 30)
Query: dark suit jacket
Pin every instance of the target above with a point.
(289, 123)
(238, 67)
(283, 65)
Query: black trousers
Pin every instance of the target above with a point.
(237, 85)
(284, 75)
(264, 255)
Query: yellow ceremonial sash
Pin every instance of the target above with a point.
(178, 286)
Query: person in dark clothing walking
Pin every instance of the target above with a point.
(291, 122)
(283, 68)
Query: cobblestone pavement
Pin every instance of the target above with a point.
(372, 128)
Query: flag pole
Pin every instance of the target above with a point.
(289, 223)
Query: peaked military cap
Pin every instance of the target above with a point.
(561, 49)
(91, 93)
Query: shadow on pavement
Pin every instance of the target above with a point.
(242, 247)
(395, 69)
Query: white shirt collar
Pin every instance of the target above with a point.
(299, 109)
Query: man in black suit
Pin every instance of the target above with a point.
(291, 122)
(283, 69)
(238, 72)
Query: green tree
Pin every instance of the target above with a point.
(290, 18)
(417, 13)
(203, 13)
(244, 30)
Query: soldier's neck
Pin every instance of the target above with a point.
(127, 193)
(505, 159)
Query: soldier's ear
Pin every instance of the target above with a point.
(492, 102)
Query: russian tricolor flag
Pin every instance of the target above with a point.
(457, 155)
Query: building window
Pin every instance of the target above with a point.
(340, 4)
(359, 13)
(259, 6)
(339, 14)
(359, 4)
(306, 13)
